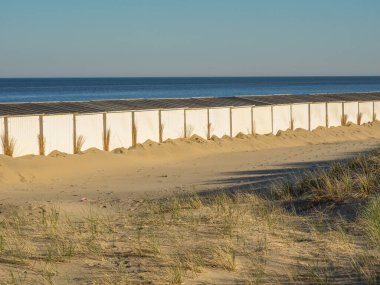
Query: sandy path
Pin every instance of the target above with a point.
(152, 178)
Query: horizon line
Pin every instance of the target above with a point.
(208, 76)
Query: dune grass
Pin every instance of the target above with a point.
(344, 120)
(322, 227)
(359, 118)
(371, 219)
(79, 144)
(106, 140)
(8, 144)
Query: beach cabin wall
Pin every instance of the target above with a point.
(147, 125)
(58, 133)
(366, 111)
(173, 124)
(376, 110)
(317, 115)
(334, 114)
(281, 118)
(300, 116)
(351, 109)
(262, 120)
(90, 126)
(241, 120)
(196, 122)
(24, 131)
(220, 122)
(120, 128)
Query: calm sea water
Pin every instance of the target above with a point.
(73, 89)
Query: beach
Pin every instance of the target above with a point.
(195, 163)
(143, 210)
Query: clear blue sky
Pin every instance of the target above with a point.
(189, 38)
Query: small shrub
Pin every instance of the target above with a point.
(79, 144)
(292, 124)
(106, 140)
(344, 120)
(177, 275)
(8, 144)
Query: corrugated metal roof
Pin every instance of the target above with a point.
(168, 103)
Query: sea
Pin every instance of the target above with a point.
(79, 89)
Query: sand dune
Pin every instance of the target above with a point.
(175, 164)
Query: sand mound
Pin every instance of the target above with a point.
(169, 141)
(227, 138)
(120, 150)
(215, 138)
(57, 153)
(92, 150)
(198, 139)
(138, 146)
(242, 136)
(150, 143)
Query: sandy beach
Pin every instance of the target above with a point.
(154, 170)
(187, 211)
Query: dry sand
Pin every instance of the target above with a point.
(194, 164)
(117, 233)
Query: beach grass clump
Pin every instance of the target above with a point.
(106, 140)
(301, 235)
(8, 144)
(79, 144)
(292, 124)
(357, 178)
(359, 118)
(344, 120)
(371, 219)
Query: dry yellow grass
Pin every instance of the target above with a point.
(292, 124)
(344, 120)
(231, 237)
(316, 229)
(106, 140)
(79, 144)
(359, 118)
(8, 144)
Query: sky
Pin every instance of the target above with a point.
(83, 38)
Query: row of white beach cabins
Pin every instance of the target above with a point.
(72, 133)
